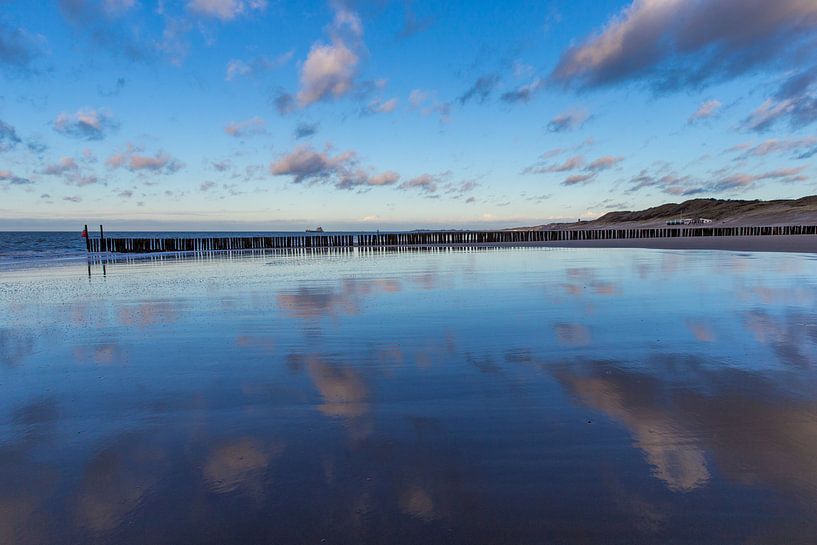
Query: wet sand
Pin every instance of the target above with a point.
(482, 396)
(771, 243)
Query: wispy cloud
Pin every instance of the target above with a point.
(378, 106)
(64, 165)
(721, 182)
(523, 93)
(8, 136)
(800, 148)
(237, 68)
(575, 179)
(568, 121)
(7, 177)
(480, 90)
(307, 165)
(225, 10)
(85, 124)
(604, 163)
(134, 160)
(426, 183)
(305, 130)
(706, 110)
(19, 49)
(248, 127)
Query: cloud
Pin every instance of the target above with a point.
(85, 124)
(768, 114)
(225, 10)
(705, 111)
(307, 165)
(480, 89)
(117, 8)
(799, 111)
(63, 166)
(425, 183)
(305, 130)
(682, 43)
(381, 106)
(98, 21)
(578, 179)
(744, 181)
(460, 189)
(7, 177)
(8, 136)
(360, 178)
(802, 148)
(568, 121)
(571, 163)
(604, 163)
(330, 69)
(572, 334)
(426, 103)
(523, 93)
(73, 198)
(412, 24)
(417, 97)
(207, 186)
(237, 68)
(672, 184)
(284, 102)
(248, 127)
(134, 161)
(19, 49)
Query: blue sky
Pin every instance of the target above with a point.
(256, 114)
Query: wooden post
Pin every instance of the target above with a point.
(87, 240)
(101, 239)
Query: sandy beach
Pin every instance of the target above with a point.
(791, 243)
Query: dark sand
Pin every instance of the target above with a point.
(790, 243)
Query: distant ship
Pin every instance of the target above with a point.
(318, 230)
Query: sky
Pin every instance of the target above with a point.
(378, 114)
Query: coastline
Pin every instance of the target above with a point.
(767, 243)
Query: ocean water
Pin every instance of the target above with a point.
(23, 249)
(491, 396)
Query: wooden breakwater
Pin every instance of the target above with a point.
(146, 245)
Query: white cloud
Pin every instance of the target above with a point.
(330, 69)
(225, 10)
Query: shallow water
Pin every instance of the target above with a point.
(471, 396)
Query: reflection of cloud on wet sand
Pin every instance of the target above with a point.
(417, 502)
(757, 431)
(100, 354)
(572, 334)
(239, 464)
(15, 346)
(342, 388)
(115, 483)
(323, 301)
(675, 459)
(257, 342)
(701, 331)
(147, 314)
(792, 337)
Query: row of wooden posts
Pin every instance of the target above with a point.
(143, 245)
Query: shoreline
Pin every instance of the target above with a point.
(766, 243)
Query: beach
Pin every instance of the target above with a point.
(445, 395)
(770, 243)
